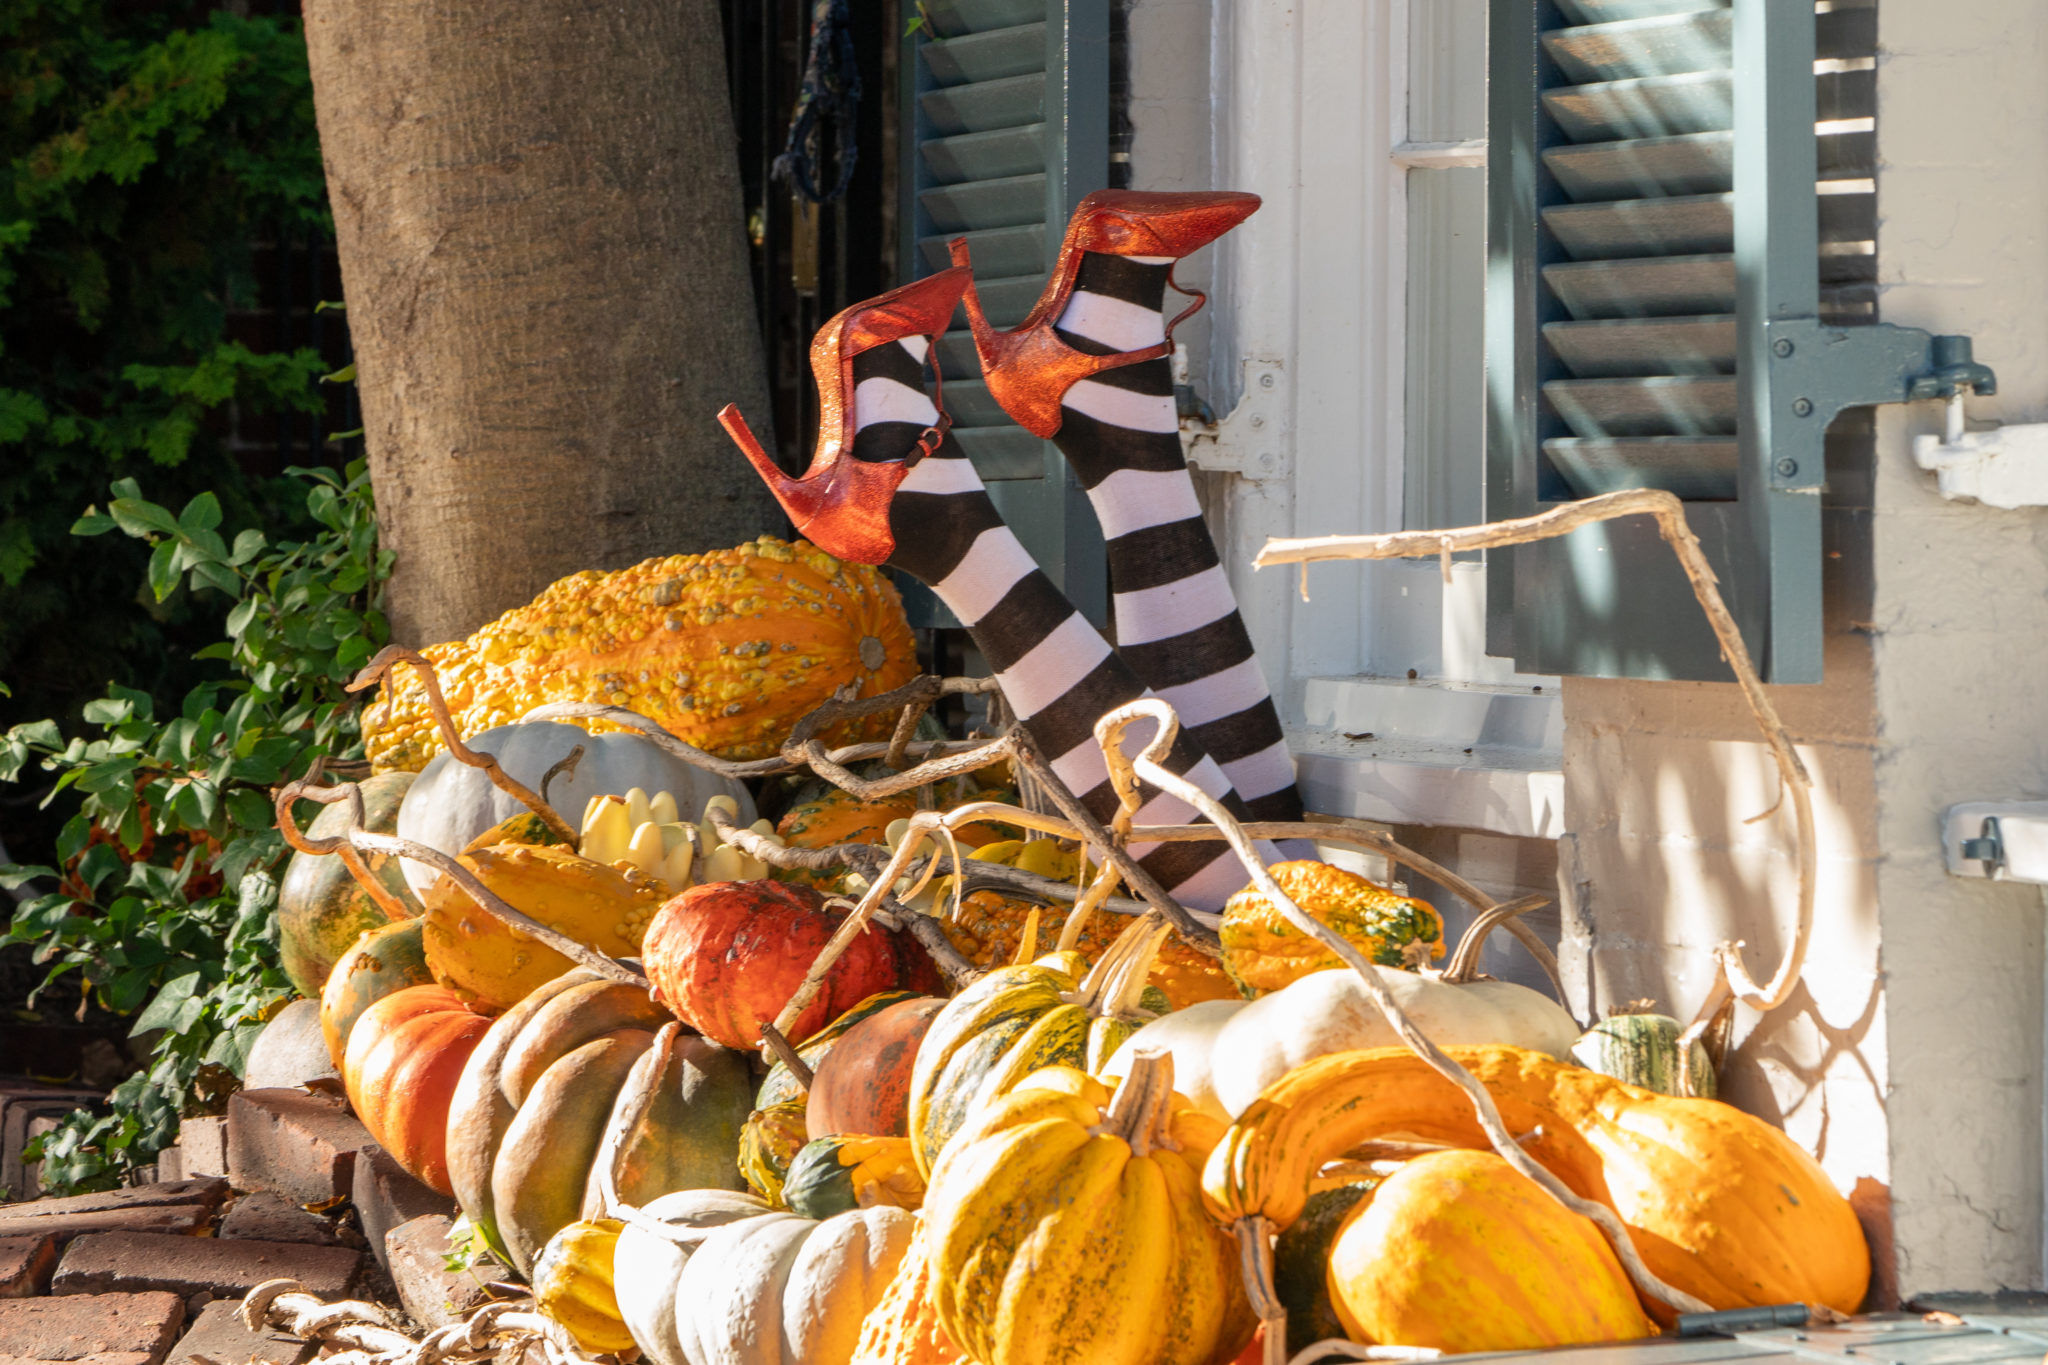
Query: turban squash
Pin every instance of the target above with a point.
(1720, 1204)
(584, 1074)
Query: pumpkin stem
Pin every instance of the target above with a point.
(1465, 961)
(437, 705)
(1027, 942)
(1255, 1257)
(789, 1057)
(1141, 1112)
(1113, 985)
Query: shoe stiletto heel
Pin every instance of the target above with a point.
(1030, 369)
(841, 504)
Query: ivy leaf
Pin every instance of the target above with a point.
(174, 1003)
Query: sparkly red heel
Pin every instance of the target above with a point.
(1030, 369)
(841, 504)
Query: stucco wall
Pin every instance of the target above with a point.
(1960, 640)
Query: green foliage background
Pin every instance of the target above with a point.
(143, 149)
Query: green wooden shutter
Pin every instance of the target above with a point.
(1680, 295)
(1006, 126)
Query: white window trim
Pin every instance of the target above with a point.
(1311, 112)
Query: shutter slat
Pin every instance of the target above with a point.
(972, 406)
(1645, 287)
(950, 18)
(1667, 45)
(1000, 251)
(1696, 468)
(1687, 225)
(1003, 453)
(1645, 346)
(1010, 201)
(1698, 102)
(986, 156)
(989, 56)
(1607, 11)
(986, 106)
(1685, 405)
(1693, 163)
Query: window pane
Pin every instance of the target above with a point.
(1444, 483)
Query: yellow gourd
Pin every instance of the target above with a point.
(572, 1283)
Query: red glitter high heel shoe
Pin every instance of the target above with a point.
(1030, 369)
(841, 504)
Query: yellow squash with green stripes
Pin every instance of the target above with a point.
(572, 1283)
(1021, 1019)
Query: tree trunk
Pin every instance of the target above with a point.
(543, 248)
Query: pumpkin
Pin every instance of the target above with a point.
(988, 927)
(321, 909)
(1301, 1265)
(405, 1056)
(1329, 1012)
(1189, 1037)
(586, 1076)
(862, 1083)
(485, 960)
(851, 1171)
(648, 1265)
(726, 650)
(385, 960)
(777, 1289)
(768, 1144)
(1719, 1203)
(728, 956)
(1017, 1020)
(781, 1085)
(1460, 1251)
(452, 803)
(839, 817)
(903, 1329)
(1067, 1226)
(572, 1283)
(1263, 952)
(1642, 1050)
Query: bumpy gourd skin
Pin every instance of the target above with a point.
(1263, 952)
(1719, 1203)
(1459, 1251)
(725, 650)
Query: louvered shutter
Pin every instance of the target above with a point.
(1681, 214)
(1007, 125)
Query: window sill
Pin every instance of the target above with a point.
(1430, 753)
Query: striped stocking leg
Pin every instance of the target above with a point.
(1056, 670)
(1176, 619)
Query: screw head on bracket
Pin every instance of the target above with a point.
(1266, 381)
(1787, 468)
(1782, 347)
(1802, 407)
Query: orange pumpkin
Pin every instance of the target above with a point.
(726, 957)
(862, 1084)
(405, 1055)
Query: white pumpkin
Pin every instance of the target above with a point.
(1189, 1035)
(785, 1290)
(451, 803)
(648, 1267)
(1329, 1011)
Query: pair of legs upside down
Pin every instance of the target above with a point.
(1089, 369)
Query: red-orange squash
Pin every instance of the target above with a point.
(863, 1084)
(728, 956)
(405, 1055)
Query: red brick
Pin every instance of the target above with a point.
(107, 1329)
(266, 1216)
(130, 1262)
(177, 1206)
(204, 1145)
(385, 1196)
(18, 1105)
(25, 1265)
(432, 1294)
(299, 1144)
(219, 1336)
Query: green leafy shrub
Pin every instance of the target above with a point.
(147, 154)
(168, 883)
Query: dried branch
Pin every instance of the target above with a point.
(391, 655)
(1732, 976)
(354, 835)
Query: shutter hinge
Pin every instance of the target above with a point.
(1254, 440)
(1817, 370)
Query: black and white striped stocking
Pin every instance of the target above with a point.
(1176, 618)
(1057, 672)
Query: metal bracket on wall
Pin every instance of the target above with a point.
(1255, 439)
(1817, 370)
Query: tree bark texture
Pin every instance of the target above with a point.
(543, 247)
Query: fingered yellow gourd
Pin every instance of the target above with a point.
(1066, 1227)
(1459, 1251)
